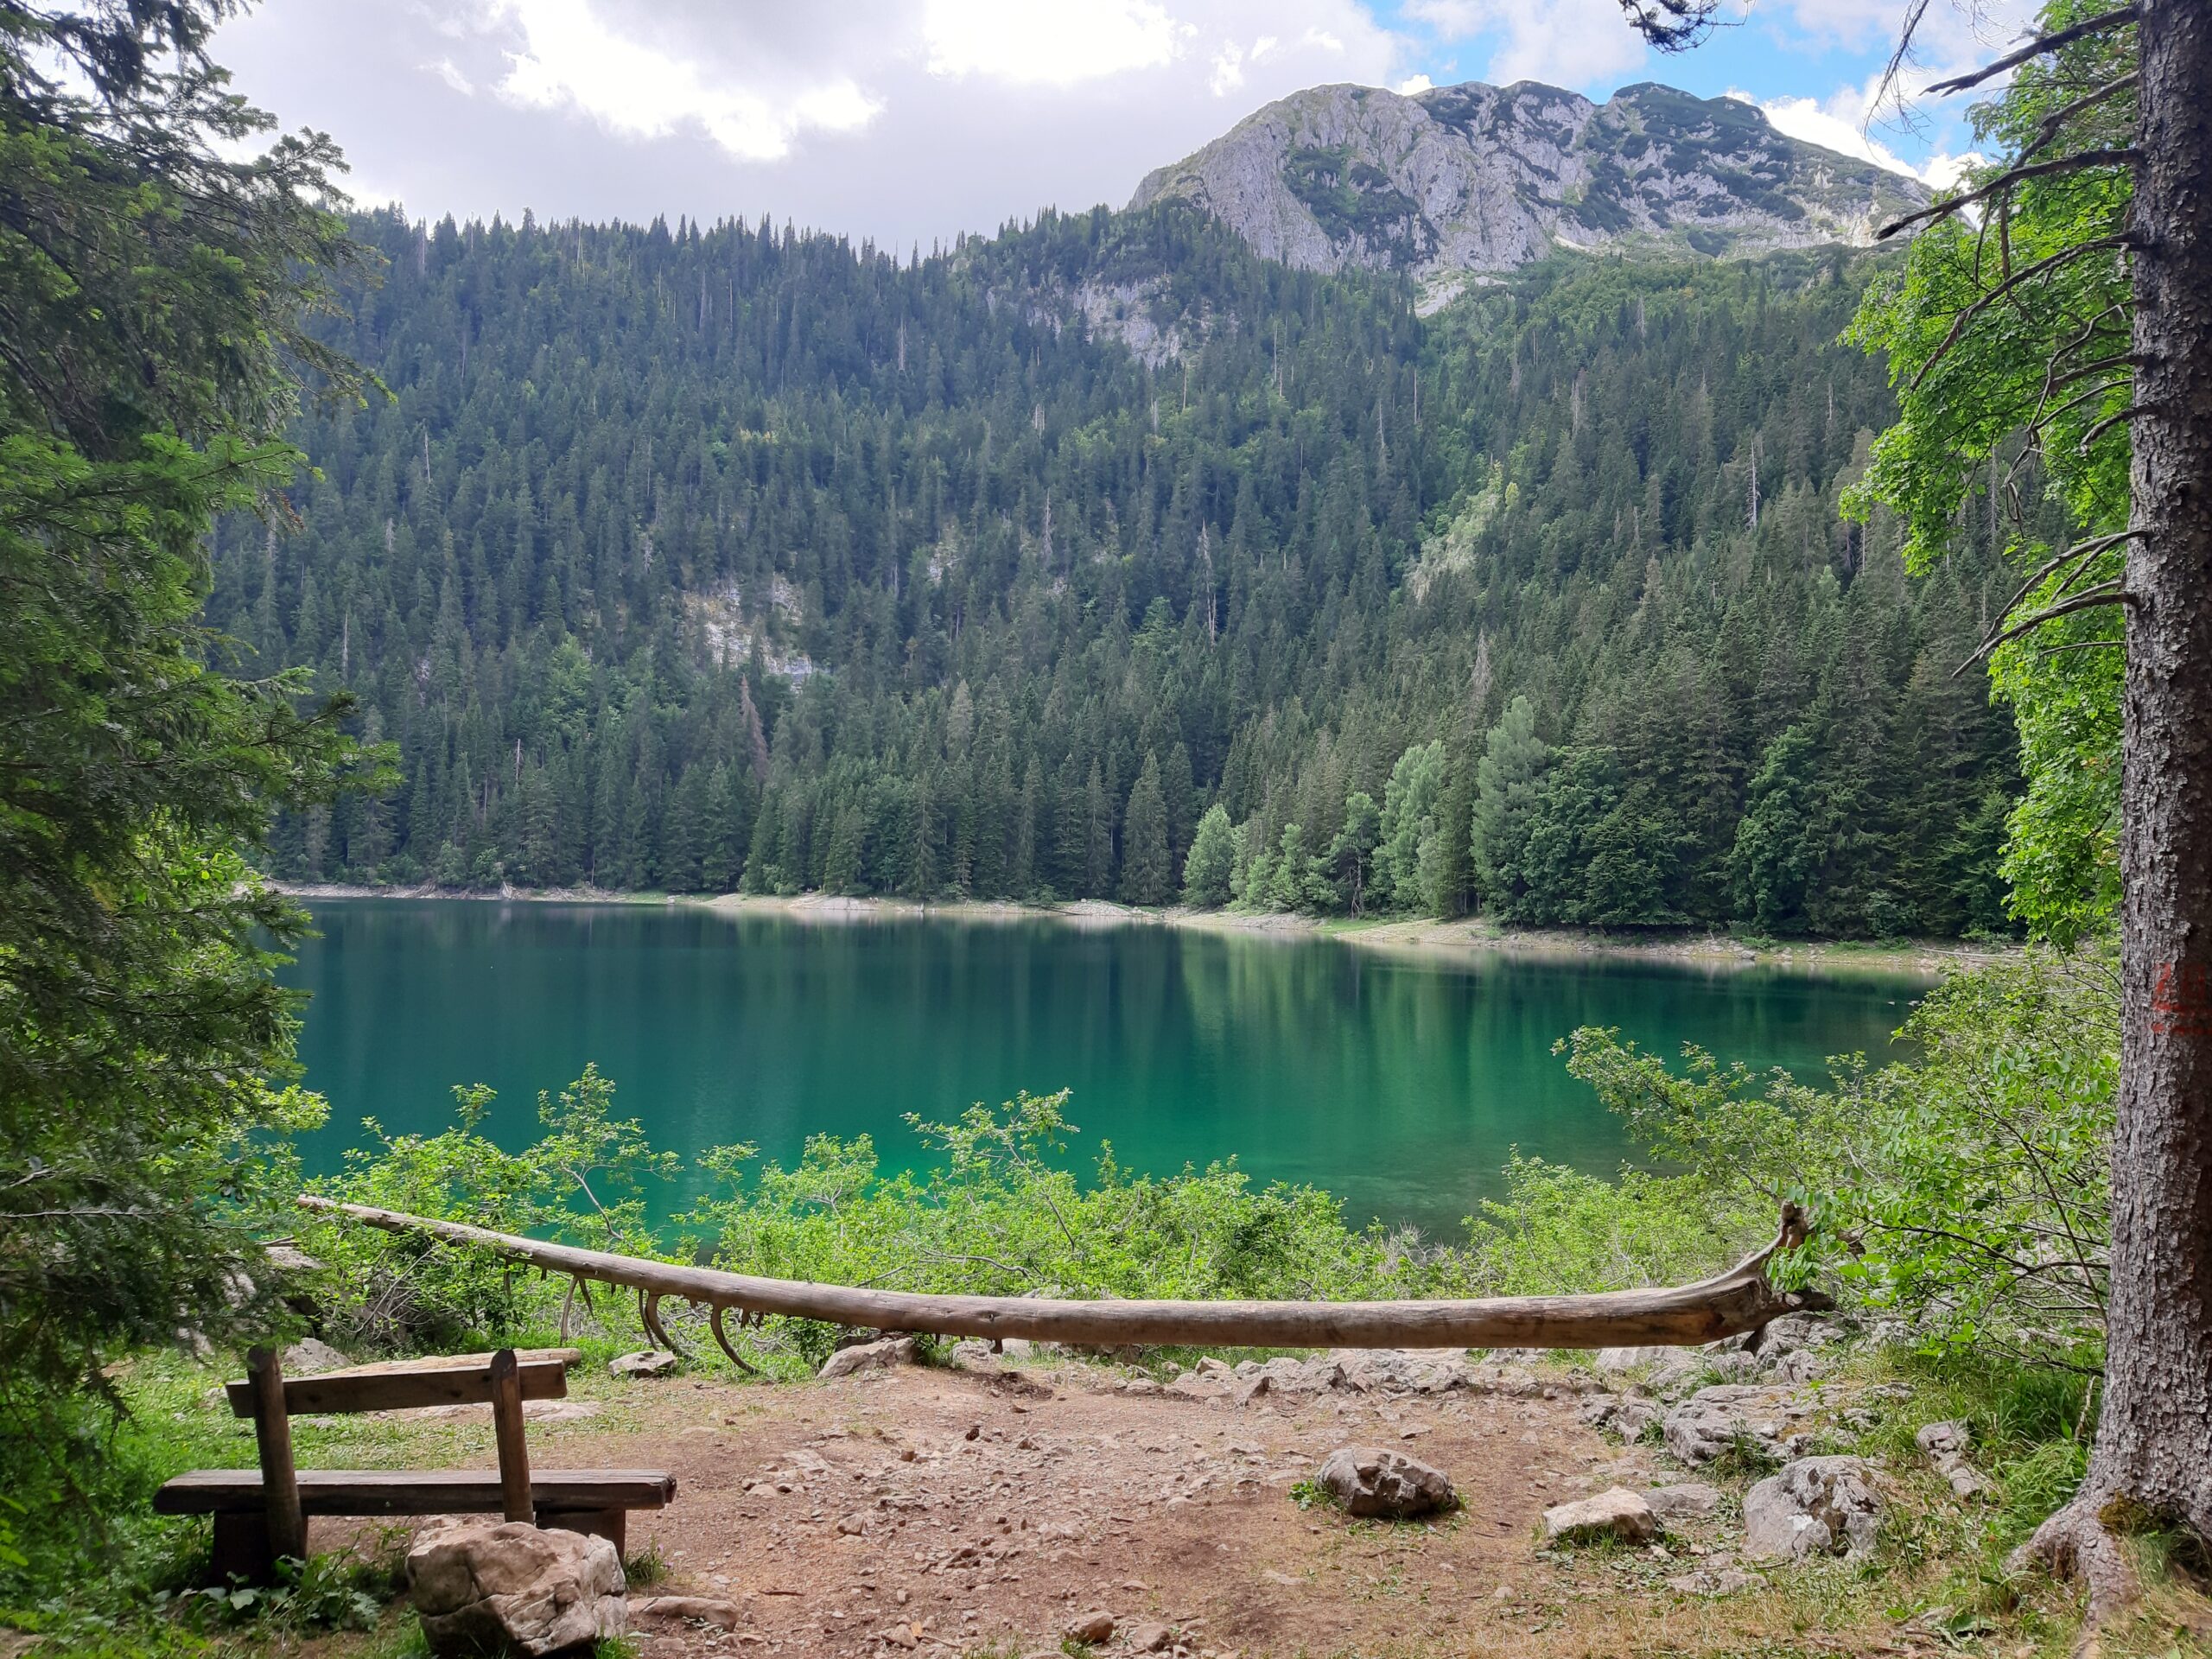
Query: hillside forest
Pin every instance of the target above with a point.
(1101, 559)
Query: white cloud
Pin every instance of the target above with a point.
(446, 70)
(572, 57)
(1414, 83)
(902, 120)
(1027, 43)
(1841, 123)
(1578, 43)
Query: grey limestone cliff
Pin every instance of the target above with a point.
(1476, 178)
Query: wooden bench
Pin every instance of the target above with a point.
(261, 1514)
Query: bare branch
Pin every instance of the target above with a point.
(2110, 592)
(2058, 117)
(2080, 553)
(2116, 19)
(2111, 420)
(2126, 156)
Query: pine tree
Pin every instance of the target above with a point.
(1148, 874)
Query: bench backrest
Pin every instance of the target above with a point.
(413, 1384)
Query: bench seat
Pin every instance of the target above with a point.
(417, 1491)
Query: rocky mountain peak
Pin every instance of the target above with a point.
(1474, 178)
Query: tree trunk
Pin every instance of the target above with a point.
(2154, 1456)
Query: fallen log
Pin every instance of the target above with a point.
(1730, 1304)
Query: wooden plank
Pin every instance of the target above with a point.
(463, 1381)
(507, 1433)
(1728, 1304)
(418, 1491)
(272, 1435)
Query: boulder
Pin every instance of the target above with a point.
(1614, 1513)
(1374, 1480)
(643, 1361)
(1815, 1506)
(882, 1354)
(1717, 1420)
(1689, 1497)
(503, 1586)
(1092, 1628)
(1150, 1637)
(1944, 1445)
(310, 1355)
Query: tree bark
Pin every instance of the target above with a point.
(2154, 1456)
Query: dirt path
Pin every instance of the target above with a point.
(941, 1511)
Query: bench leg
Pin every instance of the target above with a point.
(610, 1524)
(243, 1551)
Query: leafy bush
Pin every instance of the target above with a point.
(1965, 1190)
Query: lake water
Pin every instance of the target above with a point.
(1399, 1082)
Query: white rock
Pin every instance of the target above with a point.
(1614, 1513)
(310, 1355)
(1614, 1361)
(1715, 1419)
(1687, 1498)
(881, 1355)
(1816, 1506)
(503, 1586)
(643, 1361)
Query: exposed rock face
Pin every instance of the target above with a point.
(1817, 1506)
(1689, 1497)
(501, 1586)
(1614, 1513)
(1945, 1445)
(871, 1356)
(1372, 1480)
(1713, 1421)
(1475, 178)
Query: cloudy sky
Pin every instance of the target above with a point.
(906, 121)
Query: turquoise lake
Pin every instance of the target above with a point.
(1400, 1082)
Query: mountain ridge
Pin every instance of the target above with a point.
(1470, 179)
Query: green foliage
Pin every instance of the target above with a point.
(154, 286)
(1211, 869)
(735, 556)
(2017, 410)
(1966, 1190)
(1559, 1229)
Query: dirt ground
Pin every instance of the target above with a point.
(984, 1510)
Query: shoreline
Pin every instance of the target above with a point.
(1420, 936)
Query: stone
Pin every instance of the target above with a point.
(1712, 1581)
(504, 1586)
(1815, 1506)
(1673, 1378)
(291, 1258)
(1092, 1628)
(643, 1361)
(1628, 1416)
(1150, 1637)
(1614, 1361)
(1944, 1445)
(707, 1609)
(1198, 1385)
(1614, 1513)
(883, 1354)
(1686, 1498)
(1719, 1419)
(1373, 1480)
(310, 1355)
